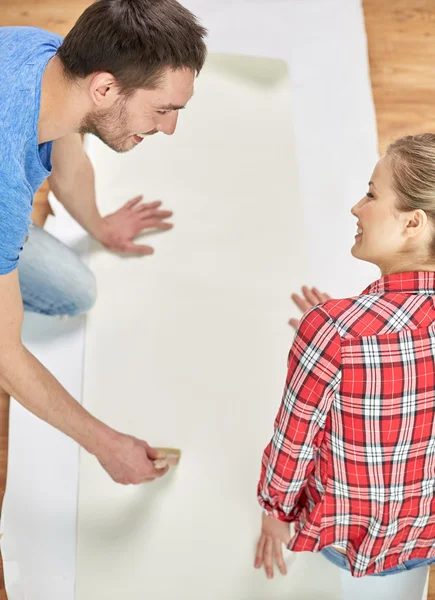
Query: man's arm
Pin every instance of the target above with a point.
(72, 182)
(126, 459)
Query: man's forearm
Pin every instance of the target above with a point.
(78, 197)
(33, 386)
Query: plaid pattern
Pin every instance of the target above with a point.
(352, 458)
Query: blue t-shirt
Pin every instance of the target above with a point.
(24, 165)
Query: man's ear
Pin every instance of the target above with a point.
(103, 90)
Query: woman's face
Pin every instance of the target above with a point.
(383, 233)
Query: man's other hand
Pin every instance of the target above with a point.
(119, 229)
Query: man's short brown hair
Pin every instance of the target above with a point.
(135, 41)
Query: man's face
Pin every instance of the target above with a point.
(123, 125)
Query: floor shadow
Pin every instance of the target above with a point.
(44, 329)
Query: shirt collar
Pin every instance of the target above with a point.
(416, 282)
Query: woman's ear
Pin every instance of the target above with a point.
(416, 221)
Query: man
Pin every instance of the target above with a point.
(122, 73)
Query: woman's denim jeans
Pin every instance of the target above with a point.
(53, 279)
(341, 561)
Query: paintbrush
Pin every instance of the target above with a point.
(167, 456)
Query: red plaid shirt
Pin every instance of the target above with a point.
(352, 459)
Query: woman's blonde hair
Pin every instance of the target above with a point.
(411, 160)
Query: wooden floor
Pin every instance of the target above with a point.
(401, 45)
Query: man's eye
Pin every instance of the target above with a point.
(163, 112)
(369, 195)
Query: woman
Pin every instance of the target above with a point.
(352, 459)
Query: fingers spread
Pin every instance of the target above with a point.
(149, 205)
(294, 323)
(133, 202)
(300, 303)
(138, 249)
(260, 550)
(147, 213)
(268, 557)
(323, 297)
(310, 296)
(155, 224)
(279, 558)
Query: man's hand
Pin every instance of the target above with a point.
(72, 182)
(118, 230)
(274, 534)
(130, 461)
(125, 458)
(312, 296)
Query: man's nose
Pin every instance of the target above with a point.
(168, 124)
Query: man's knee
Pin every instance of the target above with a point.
(53, 279)
(82, 295)
(68, 291)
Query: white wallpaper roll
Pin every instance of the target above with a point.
(189, 348)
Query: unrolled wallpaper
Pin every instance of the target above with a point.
(188, 348)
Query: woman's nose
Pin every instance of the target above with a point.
(355, 209)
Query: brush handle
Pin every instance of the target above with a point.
(173, 455)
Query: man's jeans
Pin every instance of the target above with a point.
(53, 279)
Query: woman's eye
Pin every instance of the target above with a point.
(369, 195)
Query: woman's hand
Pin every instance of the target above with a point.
(274, 534)
(312, 296)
